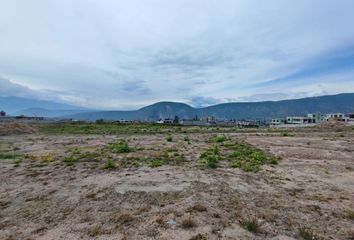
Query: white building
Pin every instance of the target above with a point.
(300, 120)
(340, 117)
(277, 121)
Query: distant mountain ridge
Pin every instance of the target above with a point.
(32, 107)
(343, 103)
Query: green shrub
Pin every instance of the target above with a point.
(250, 167)
(109, 164)
(219, 138)
(251, 225)
(236, 164)
(169, 138)
(156, 163)
(210, 157)
(71, 160)
(75, 155)
(273, 161)
(120, 146)
(249, 158)
(8, 156)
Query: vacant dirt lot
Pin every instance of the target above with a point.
(66, 186)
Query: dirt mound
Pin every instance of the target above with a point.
(11, 128)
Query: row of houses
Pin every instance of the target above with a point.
(313, 118)
(212, 121)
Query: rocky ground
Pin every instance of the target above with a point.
(66, 186)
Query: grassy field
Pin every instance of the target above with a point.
(121, 128)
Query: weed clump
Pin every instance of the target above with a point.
(199, 207)
(188, 223)
(285, 134)
(109, 164)
(75, 155)
(251, 225)
(169, 138)
(156, 163)
(249, 158)
(219, 139)
(121, 218)
(349, 214)
(169, 156)
(94, 231)
(120, 146)
(210, 157)
(8, 156)
(50, 157)
(125, 218)
(307, 233)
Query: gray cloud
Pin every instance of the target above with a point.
(125, 54)
(7, 88)
(200, 101)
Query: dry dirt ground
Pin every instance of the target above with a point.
(309, 194)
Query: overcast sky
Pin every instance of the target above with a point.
(126, 54)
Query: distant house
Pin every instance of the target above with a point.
(340, 117)
(316, 117)
(165, 121)
(2, 114)
(277, 121)
(300, 120)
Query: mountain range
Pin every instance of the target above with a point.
(343, 103)
(16, 106)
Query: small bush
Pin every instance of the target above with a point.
(219, 138)
(308, 234)
(250, 167)
(199, 207)
(249, 158)
(8, 156)
(251, 225)
(120, 146)
(94, 231)
(212, 161)
(169, 138)
(349, 214)
(273, 161)
(70, 160)
(125, 218)
(50, 157)
(188, 223)
(210, 157)
(156, 163)
(109, 164)
(236, 164)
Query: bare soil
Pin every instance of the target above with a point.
(310, 191)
